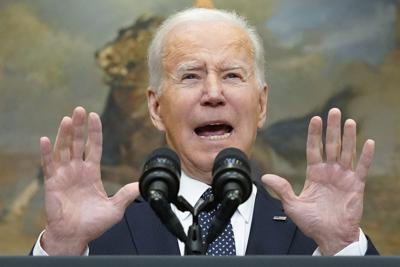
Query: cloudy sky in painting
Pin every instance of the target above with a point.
(345, 30)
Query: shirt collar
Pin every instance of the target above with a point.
(246, 208)
(192, 189)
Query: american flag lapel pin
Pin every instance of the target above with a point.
(279, 218)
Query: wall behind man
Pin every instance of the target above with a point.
(319, 54)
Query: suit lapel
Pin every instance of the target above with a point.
(149, 235)
(269, 236)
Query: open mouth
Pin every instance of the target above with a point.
(214, 131)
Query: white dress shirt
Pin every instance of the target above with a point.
(191, 189)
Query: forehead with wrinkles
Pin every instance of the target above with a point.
(217, 38)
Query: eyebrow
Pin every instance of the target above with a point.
(234, 67)
(189, 66)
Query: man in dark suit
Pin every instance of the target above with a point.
(207, 92)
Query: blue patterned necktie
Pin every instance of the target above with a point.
(224, 244)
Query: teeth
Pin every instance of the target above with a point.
(217, 137)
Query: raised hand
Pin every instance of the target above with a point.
(330, 206)
(77, 207)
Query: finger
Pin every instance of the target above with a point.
(349, 143)
(366, 158)
(126, 195)
(332, 146)
(95, 139)
(78, 139)
(62, 146)
(47, 157)
(314, 141)
(280, 186)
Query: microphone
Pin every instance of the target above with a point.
(231, 186)
(159, 185)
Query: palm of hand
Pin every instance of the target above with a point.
(76, 197)
(332, 196)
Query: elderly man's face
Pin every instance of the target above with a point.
(210, 97)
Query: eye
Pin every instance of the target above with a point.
(190, 76)
(232, 75)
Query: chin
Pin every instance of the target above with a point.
(207, 160)
(204, 160)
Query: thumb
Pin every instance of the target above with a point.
(280, 186)
(126, 195)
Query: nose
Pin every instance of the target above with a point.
(213, 93)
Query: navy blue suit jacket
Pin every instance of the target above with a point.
(140, 232)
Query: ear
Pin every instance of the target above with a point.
(153, 103)
(262, 115)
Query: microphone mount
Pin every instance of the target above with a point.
(159, 185)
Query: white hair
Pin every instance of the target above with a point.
(201, 15)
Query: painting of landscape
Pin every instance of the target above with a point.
(55, 55)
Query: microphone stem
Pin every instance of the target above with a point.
(194, 244)
(163, 209)
(229, 205)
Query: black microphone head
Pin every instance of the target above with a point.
(161, 171)
(231, 170)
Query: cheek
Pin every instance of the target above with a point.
(248, 111)
(247, 104)
(176, 114)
